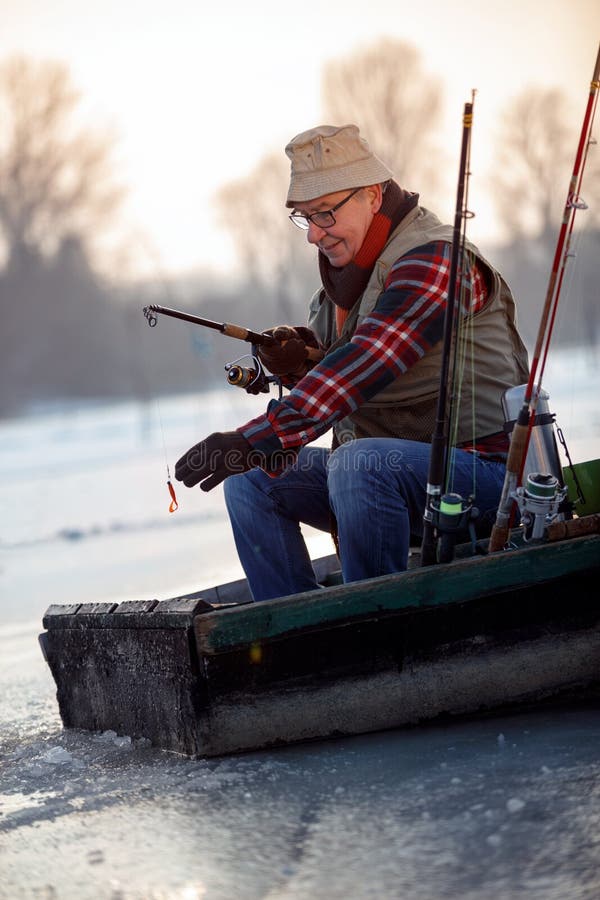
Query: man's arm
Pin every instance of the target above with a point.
(407, 321)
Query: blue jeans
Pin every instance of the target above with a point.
(376, 487)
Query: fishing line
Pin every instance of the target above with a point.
(466, 324)
(563, 255)
(437, 505)
(573, 309)
(568, 292)
(174, 505)
(464, 333)
(463, 356)
(152, 252)
(521, 433)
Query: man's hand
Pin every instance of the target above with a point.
(214, 459)
(289, 356)
(227, 453)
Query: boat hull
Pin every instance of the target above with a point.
(477, 635)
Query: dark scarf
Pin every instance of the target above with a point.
(345, 285)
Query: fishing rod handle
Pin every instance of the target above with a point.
(516, 455)
(314, 354)
(265, 340)
(244, 334)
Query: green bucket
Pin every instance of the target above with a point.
(588, 476)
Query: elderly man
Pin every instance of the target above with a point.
(384, 266)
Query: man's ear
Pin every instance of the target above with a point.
(375, 196)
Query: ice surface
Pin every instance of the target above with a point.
(439, 812)
(504, 809)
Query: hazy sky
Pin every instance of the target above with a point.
(198, 92)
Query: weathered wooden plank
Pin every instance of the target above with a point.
(147, 614)
(58, 609)
(95, 608)
(466, 679)
(384, 639)
(138, 681)
(460, 580)
(127, 607)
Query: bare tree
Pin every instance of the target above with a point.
(56, 177)
(384, 90)
(274, 254)
(534, 160)
(533, 165)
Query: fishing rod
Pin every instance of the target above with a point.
(526, 418)
(235, 331)
(252, 377)
(446, 515)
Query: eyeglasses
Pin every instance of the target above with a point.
(322, 219)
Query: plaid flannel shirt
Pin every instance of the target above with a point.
(407, 321)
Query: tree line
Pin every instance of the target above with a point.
(69, 332)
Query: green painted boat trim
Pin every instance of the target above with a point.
(455, 582)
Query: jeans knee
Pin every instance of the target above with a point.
(340, 466)
(235, 492)
(230, 491)
(353, 464)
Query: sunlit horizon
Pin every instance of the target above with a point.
(197, 98)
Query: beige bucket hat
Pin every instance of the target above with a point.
(327, 159)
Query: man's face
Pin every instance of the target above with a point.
(341, 242)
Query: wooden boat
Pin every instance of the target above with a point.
(212, 673)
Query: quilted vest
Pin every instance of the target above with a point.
(407, 407)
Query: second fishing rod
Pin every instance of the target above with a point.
(447, 515)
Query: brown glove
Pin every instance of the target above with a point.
(289, 356)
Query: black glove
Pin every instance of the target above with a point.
(289, 356)
(223, 454)
(214, 459)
